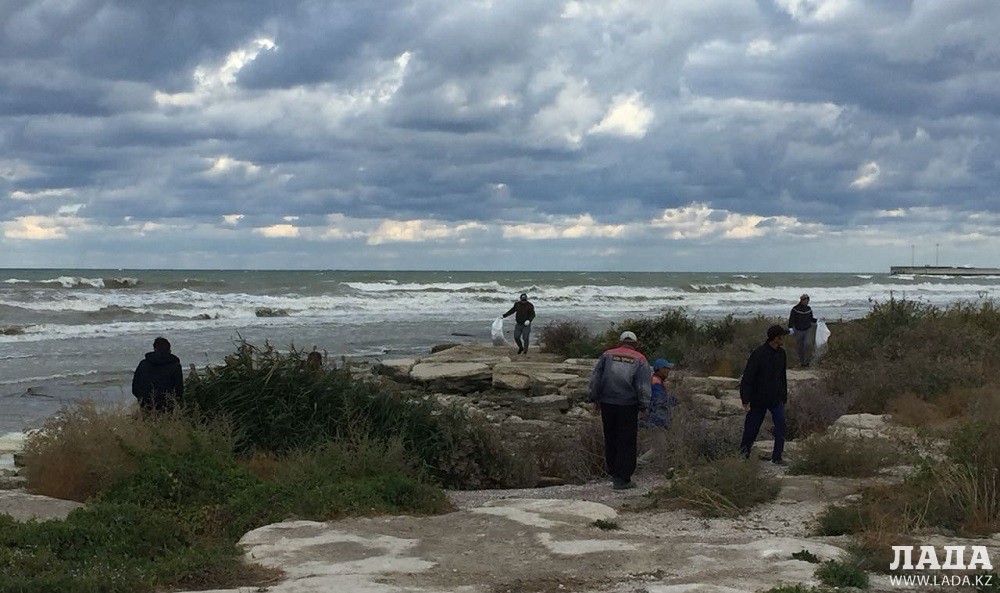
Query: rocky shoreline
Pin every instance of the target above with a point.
(544, 539)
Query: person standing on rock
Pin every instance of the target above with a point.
(620, 387)
(801, 320)
(159, 379)
(524, 313)
(763, 389)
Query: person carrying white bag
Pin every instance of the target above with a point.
(496, 332)
(822, 337)
(524, 313)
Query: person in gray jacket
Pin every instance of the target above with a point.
(620, 388)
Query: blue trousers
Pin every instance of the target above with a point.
(751, 426)
(802, 346)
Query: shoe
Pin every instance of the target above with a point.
(623, 485)
(780, 462)
(520, 350)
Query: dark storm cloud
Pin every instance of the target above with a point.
(819, 113)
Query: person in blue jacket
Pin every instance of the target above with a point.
(660, 402)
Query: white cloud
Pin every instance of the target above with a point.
(42, 228)
(868, 174)
(211, 81)
(627, 117)
(760, 47)
(697, 221)
(418, 231)
(562, 228)
(225, 165)
(283, 231)
(70, 209)
(815, 10)
(232, 219)
(564, 122)
(41, 194)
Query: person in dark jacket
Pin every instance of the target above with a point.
(524, 313)
(620, 387)
(158, 380)
(801, 320)
(763, 389)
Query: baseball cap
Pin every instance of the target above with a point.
(662, 363)
(776, 330)
(628, 337)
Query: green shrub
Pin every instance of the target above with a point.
(842, 574)
(112, 548)
(841, 520)
(908, 348)
(276, 405)
(726, 487)
(606, 525)
(571, 339)
(838, 455)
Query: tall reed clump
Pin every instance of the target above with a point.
(275, 404)
(903, 347)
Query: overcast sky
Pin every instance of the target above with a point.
(717, 135)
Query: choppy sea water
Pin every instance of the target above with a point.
(69, 334)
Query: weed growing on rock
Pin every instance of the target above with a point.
(606, 525)
(836, 573)
(806, 556)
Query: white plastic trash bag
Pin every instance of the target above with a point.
(497, 332)
(822, 335)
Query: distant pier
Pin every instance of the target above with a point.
(944, 271)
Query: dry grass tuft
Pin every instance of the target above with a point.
(84, 449)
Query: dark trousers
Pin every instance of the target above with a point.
(621, 435)
(522, 331)
(751, 426)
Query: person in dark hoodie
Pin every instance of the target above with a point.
(158, 380)
(801, 320)
(763, 389)
(524, 313)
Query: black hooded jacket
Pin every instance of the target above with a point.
(158, 376)
(765, 381)
(801, 318)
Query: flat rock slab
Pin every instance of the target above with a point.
(434, 371)
(518, 544)
(23, 506)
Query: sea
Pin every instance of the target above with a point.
(68, 335)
